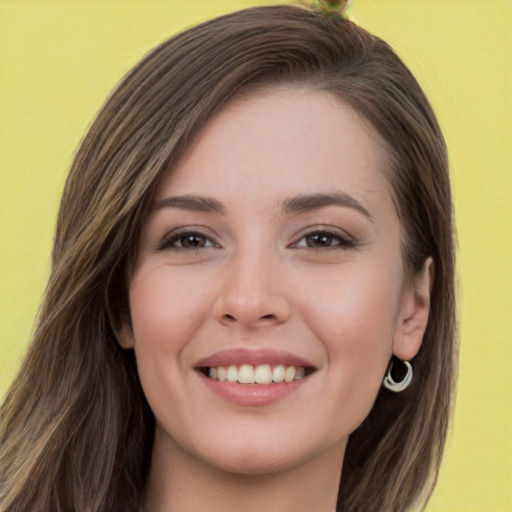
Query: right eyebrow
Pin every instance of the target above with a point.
(194, 203)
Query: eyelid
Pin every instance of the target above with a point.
(173, 235)
(346, 240)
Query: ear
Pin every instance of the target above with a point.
(125, 337)
(414, 312)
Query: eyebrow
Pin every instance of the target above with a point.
(304, 203)
(300, 203)
(193, 203)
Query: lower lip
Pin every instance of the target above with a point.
(252, 395)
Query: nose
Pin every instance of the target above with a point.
(252, 292)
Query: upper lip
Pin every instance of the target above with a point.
(255, 357)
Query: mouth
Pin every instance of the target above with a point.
(254, 377)
(261, 374)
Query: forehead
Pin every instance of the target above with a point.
(275, 143)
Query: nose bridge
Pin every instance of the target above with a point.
(252, 291)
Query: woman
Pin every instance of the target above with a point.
(254, 240)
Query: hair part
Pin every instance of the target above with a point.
(76, 428)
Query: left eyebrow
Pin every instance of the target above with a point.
(305, 203)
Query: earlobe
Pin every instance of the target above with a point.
(414, 314)
(125, 337)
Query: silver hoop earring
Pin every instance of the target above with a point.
(396, 387)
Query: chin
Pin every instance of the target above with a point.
(251, 464)
(262, 455)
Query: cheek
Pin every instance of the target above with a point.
(166, 309)
(352, 310)
(354, 315)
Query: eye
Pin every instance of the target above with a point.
(323, 239)
(186, 240)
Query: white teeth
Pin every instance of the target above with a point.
(278, 373)
(232, 375)
(300, 371)
(246, 374)
(263, 374)
(260, 374)
(289, 374)
(221, 373)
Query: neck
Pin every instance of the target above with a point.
(180, 482)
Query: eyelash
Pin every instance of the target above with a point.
(170, 240)
(343, 241)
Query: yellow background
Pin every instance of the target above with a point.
(60, 59)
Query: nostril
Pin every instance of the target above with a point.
(231, 318)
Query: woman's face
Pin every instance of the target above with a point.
(272, 250)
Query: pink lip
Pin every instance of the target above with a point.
(252, 395)
(246, 356)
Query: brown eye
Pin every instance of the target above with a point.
(325, 240)
(192, 241)
(321, 240)
(186, 241)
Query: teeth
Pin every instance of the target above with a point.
(289, 374)
(300, 372)
(263, 374)
(221, 373)
(260, 374)
(232, 375)
(278, 373)
(246, 374)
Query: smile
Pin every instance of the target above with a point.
(259, 374)
(254, 378)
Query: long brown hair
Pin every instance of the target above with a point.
(76, 428)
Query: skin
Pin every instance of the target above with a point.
(258, 278)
